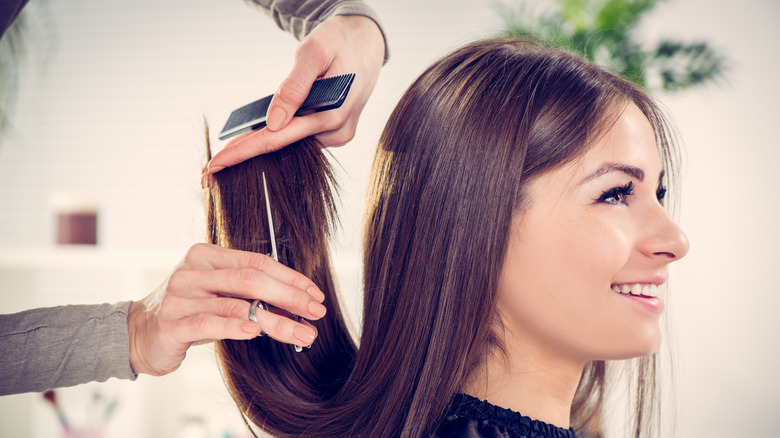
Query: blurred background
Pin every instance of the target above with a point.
(107, 116)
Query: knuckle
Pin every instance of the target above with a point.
(247, 278)
(313, 48)
(344, 136)
(179, 279)
(235, 308)
(200, 323)
(300, 282)
(195, 252)
(278, 326)
(338, 120)
(292, 91)
(299, 300)
(258, 142)
(259, 261)
(271, 144)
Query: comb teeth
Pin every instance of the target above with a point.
(328, 90)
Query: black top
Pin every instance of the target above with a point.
(469, 417)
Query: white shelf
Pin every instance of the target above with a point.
(90, 257)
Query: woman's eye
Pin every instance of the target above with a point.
(617, 195)
(661, 194)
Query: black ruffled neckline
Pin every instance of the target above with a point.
(464, 405)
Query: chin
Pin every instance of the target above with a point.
(641, 344)
(648, 344)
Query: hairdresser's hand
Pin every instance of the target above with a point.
(342, 44)
(207, 297)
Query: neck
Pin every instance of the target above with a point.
(538, 387)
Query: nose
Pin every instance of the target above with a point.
(663, 237)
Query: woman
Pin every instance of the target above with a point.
(516, 240)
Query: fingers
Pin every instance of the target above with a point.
(312, 60)
(263, 141)
(208, 298)
(191, 307)
(240, 263)
(178, 307)
(341, 44)
(204, 326)
(281, 327)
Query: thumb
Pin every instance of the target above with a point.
(294, 89)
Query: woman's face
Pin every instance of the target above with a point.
(587, 256)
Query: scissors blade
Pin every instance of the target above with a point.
(272, 237)
(271, 234)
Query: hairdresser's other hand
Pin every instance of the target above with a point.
(342, 44)
(207, 297)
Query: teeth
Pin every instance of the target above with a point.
(646, 290)
(654, 290)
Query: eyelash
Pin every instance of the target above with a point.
(621, 191)
(660, 194)
(618, 195)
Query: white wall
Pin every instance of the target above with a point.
(727, 287)
(114, 113)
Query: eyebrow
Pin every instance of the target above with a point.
(606, 168)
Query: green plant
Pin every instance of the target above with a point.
(603, 32)
(24, 46)
(11, 53)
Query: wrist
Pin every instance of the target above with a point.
(134, 322)
(367, 31)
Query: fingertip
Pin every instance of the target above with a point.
(317, 310)
(213, 168)
(251, 328)
(277, 118)
(304, 334)
(316, 293)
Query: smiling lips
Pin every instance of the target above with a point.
(637, 289)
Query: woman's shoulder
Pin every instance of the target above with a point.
(469, 417)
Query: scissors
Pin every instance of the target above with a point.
(275, 256)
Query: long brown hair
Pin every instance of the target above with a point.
(274, 386)
(448, 179)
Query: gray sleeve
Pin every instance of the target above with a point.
(63, 346)
(299, 17)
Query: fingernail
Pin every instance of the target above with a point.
(250, 327)
(317, 309)
(304, 334)
(214, 169)
(276, 118)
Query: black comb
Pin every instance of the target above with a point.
(325, 94)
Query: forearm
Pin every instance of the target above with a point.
(63, 346)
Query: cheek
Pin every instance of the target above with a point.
(600, 249)
(568, 259)
(555, 288)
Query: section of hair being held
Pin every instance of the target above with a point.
(274, 387)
